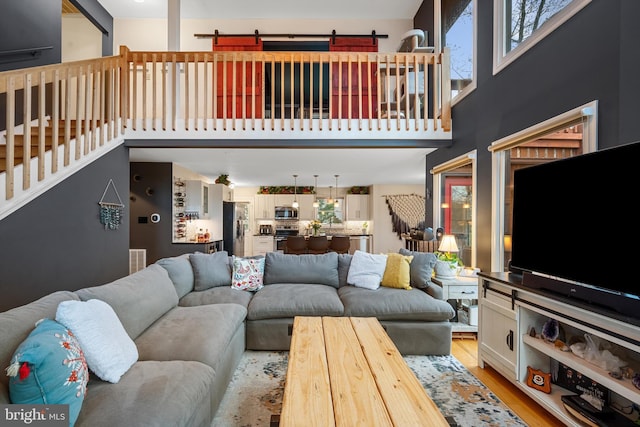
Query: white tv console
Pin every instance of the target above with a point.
(509, 310)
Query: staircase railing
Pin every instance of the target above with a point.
(73, 110)
(69, 109)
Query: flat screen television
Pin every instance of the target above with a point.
(575, 231)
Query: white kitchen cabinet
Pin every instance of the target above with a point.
(262, 245)
(264, 206)
(197, 199)
(306, 211)
(217, 194)
(358, 207)
(284, 199)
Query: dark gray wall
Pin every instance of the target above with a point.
(27, 24)
(590, 57)
(56, 242)
(152, 192)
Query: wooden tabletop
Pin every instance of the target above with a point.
(346, 371)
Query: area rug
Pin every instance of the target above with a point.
(256, 390)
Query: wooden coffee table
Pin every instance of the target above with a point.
(346, 371)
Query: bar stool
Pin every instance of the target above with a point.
(295, 245)
(340, 244)
(318, 245)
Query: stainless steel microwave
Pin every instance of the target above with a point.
(286, 212)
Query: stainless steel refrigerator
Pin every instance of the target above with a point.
(234, 227)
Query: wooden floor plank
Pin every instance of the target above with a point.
(406, 400)
(356, 399)
(534, 415)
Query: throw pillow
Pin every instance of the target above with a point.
(180, 273)
(210, 270)
(366, 270)
(421, 267)
(397, 271)
(247, 273)
(110, 352)
(49, 368)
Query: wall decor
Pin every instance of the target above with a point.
(111, 213)
(407, 211)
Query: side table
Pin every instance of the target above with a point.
(454, 290)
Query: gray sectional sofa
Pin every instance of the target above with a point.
(190, 328)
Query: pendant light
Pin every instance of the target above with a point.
(330, 194)
(315, 190)
(295, 192)
(337, 202)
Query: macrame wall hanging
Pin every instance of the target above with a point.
(407, 211)
(111, 213)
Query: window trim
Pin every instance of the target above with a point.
(468, 158)
(588, 113)
(438, 45)
(500, 59)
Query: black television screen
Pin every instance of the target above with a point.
(574, 221)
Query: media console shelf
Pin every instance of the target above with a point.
(507, 313)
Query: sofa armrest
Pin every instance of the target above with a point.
(434, 290)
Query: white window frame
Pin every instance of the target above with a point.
(588, 113)
(438, 43)
(438, 182)
(502, 59)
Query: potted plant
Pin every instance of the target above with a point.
(447, 264)
(223, 179)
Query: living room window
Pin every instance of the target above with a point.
(459, 30)
(330, 211)
(454, 196)
(520, 24)
(567, 135)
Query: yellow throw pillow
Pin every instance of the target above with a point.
(397, 272)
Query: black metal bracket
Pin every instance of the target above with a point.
(514, 297)
(216, 35)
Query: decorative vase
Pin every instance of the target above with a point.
(315, 231)
(444, 269)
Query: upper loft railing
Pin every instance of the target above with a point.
(74, 110)
(269, 94)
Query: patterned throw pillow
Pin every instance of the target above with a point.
(247, 273)
(397, 271)
(49, 368)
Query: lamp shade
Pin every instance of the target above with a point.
(448, 244)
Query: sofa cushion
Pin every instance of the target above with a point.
(247, 273)
(321, 269)
(421, 268)
(210, 270)
(16, 325)
(344, 262)
(366, 270)
(394, 304)
(217, 295)
(396, 273)
(289, 300)
(109, 351)
(138, 299)
(49, 368)
(180, 273)
(151, 393)
(198, 333)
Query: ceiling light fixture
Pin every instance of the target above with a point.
(337, 202)
(315, 190)
(295, 191)
(330, 200)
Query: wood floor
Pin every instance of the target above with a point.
(466, 351)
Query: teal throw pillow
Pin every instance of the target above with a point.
(49, 368)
